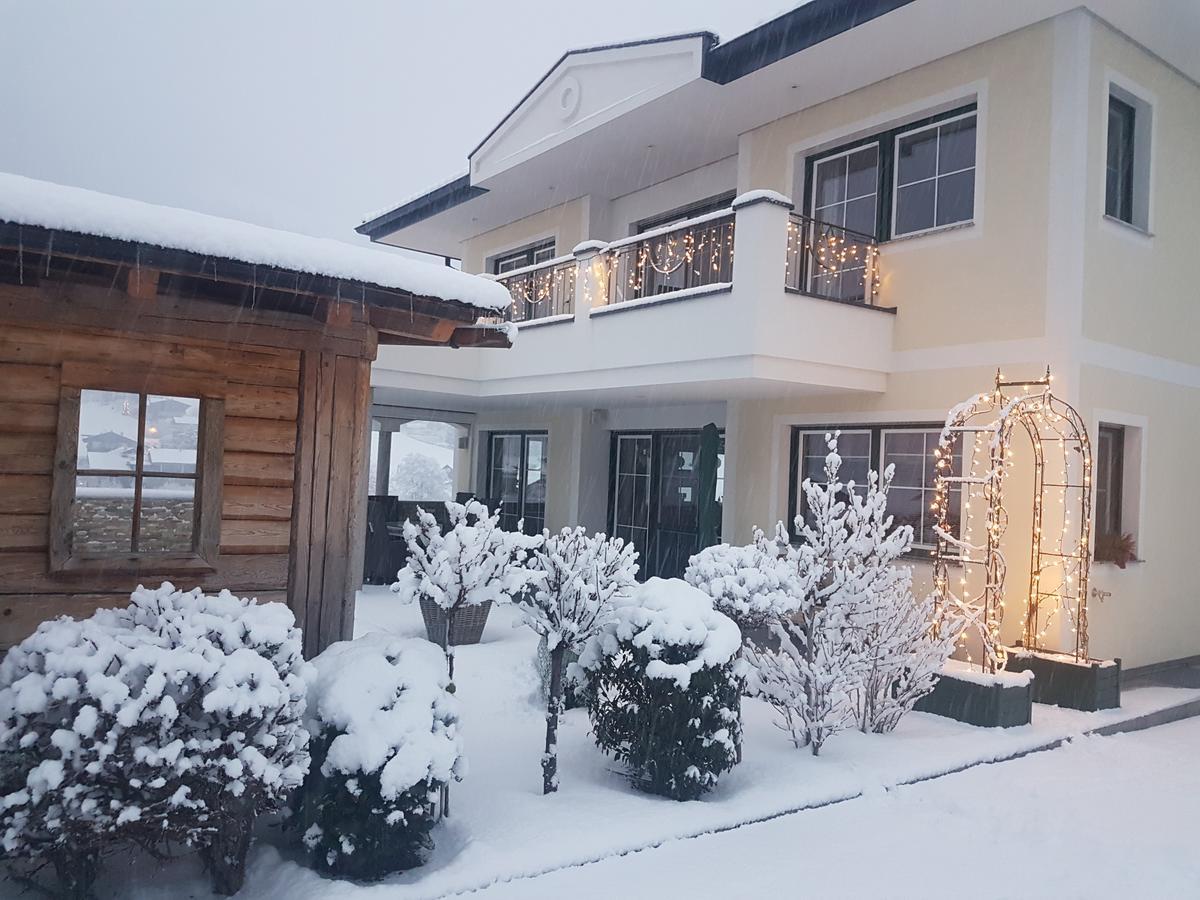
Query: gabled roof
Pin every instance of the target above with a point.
(790, 33)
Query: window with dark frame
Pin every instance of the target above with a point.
(137, 477)
(1118, 182)
(520, 259)
(1110, 465)
(872, 448)
(906, 180)
(683, 213)
(516, 478)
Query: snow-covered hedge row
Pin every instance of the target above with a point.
(385, 741)
(177, 718)
(749, 584)
(664, 694)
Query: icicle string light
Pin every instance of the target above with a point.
(1060, 551)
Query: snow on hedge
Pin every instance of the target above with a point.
(178, 717)
(27, 201)
(386, 697)
(749, 584)
(663, 613)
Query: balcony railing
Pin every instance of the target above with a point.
(674, 258)
(829, 261)
(541, 291)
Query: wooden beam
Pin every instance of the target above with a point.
(409, 324)
(141, 282)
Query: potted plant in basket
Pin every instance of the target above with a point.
(458, 572)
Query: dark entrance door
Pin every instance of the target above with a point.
(656, 496)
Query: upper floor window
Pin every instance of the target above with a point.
(137, 478)
(902, 181)
(1127, 159)
(684, 213)
(519, 259)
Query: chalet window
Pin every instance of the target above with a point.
(519, 259)
(873, 448)
(898, 182)
(517, 463)
(137, 479)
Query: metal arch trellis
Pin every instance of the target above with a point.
(1060, 549)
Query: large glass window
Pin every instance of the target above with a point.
(416, 460)
(517, 466)
(854, 447)
(935, 176)
(912, 491)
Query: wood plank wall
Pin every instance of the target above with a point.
(260, 466)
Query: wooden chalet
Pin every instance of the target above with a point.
(253, 477)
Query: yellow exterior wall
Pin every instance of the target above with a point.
(1142, 291)
(941, 282)
(566, 223)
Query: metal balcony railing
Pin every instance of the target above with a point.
(832, 262)
(540, 291)
(691, 254)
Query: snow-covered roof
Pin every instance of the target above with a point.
(27, 201)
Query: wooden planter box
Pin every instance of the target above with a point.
(466, 628)
(994, 705)
(1060, 681)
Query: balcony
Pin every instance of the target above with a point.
(751, 300)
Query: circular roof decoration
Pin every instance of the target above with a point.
(568, 97)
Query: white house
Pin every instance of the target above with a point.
(926, 191)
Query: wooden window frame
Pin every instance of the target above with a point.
(206, 530)
(885, 198)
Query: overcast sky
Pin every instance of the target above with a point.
(299, 114)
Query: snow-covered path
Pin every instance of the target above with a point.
(1101, 817)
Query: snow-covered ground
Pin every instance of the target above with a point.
(503, 828)
(1101, 817)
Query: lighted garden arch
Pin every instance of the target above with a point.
(980, 431)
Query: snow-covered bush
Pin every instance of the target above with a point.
(582, 577)
(175, 719)
(420, 477)
(473, 562)
(749, 584)
(664, 695)
(856, 647)
(385, 740)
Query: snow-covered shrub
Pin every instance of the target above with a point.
(420, 477)
(582, 577)
(664, 695)
(175, 719)
(749, 584)
(473, 562)
(857, 647)
(385, 740)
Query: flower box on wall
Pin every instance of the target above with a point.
(1061, 681)
(1002, 700)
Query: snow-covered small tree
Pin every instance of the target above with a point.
(419, 477)
(385, 740)
(472, 562)
(747, 583)
(582, 577)
(175, 720)
(664, 694)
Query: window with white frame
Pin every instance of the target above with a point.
(1127, 158)
(935, 176)
(854, 447)
(906, 180)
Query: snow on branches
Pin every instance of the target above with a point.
(385, 740)
(177, 718)
(472, 562)
(856, 646)
(749, 584)
(581, 578)
(664, 693)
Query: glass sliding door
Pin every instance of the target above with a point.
(517, 464)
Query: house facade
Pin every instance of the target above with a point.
(847, 219)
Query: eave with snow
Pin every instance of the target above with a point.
(267, 335)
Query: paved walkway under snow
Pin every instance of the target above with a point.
(1100, 817)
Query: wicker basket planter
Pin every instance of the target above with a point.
(466, 628)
